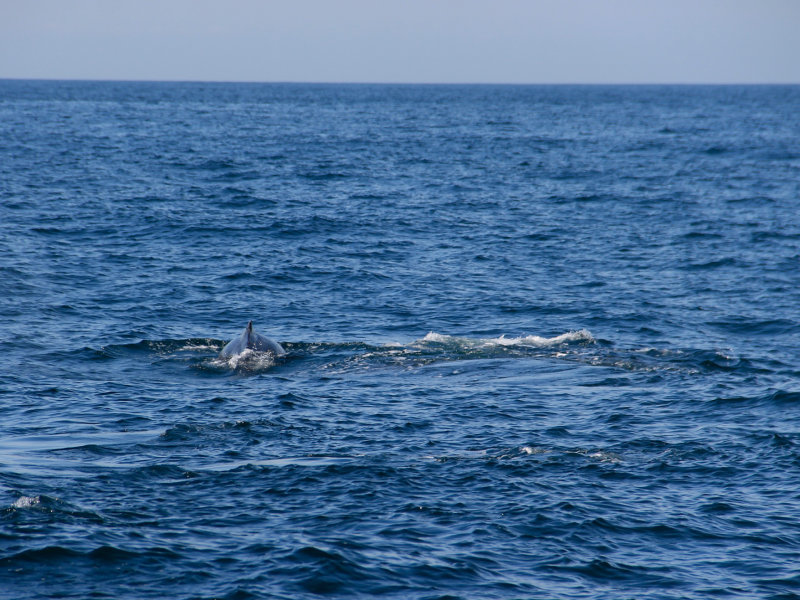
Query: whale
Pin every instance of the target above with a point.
(249, 339)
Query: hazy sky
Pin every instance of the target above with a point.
(492, 41)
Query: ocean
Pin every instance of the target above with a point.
(541, 341)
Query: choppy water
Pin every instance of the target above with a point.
(542, 342)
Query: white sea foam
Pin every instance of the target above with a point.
(533, 450)
(197, 347)
(26, 501)
(603, 456)
(437, 337)
(250, 360)
(582, 335)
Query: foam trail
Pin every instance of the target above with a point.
(582, 335)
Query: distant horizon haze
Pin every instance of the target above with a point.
(446, 42)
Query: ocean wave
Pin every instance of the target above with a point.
(56, 555)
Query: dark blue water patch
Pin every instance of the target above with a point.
(713, 264)
(775, 398)
(762, 236)
(769, 327)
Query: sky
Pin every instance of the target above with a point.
(403, 41)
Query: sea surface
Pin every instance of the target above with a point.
(541, 341)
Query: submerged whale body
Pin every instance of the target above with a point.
(251, 340)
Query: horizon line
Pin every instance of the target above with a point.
(400, 83)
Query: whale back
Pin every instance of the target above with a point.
(252, 340)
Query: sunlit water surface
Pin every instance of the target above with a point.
(542, 342)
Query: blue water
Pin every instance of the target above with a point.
(542, 341)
